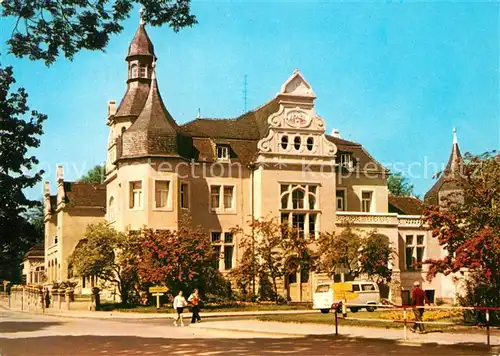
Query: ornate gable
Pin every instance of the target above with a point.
(295, 130)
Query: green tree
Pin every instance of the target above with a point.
(467, 226)
(399, 185)
(20, 129)
(339, 252)
(108, 255)
(375, 256)
(96, 175)
(42, 29)
(278, 249)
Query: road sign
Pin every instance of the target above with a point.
(158, 289)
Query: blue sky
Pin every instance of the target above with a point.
(394, 76)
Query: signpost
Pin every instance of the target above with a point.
(158, 292)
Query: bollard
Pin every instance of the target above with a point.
(404, 327)
(336, 319)
(60, 295)
(69, 296)
(488, 327)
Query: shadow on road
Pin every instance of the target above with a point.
(24, 326)
(311, 345)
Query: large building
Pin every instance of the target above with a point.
(274, 161)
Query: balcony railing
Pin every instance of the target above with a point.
(393, 219)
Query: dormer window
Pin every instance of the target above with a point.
(345, 160)
(222, 153)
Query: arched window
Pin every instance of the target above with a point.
(310, 143)
(298, 198)
(296, 142)
(133, 71)
(284, 142)
(111, 210)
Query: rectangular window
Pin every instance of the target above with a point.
(366, 202)
(217, 250)
(135, 194)
(409, 239)
(340, 194)
(312, 225)
(161, 193)
(184, 198)
(216, 236)
(409, 258)
(298, 223)
(228, 257)
(215, 197)
(420, 239)
(228, 197)
(420, 257)
(284, 218)
(228, 238)
(222, 152)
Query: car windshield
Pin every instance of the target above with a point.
(322, 288)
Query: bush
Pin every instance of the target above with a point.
(429, 315)
(478, 292)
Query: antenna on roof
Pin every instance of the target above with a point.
(245, 83)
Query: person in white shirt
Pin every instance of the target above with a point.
(179, 304)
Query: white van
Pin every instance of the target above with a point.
(367, 293)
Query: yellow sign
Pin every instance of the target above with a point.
(345, 295)
(158, 289)
(342, 287)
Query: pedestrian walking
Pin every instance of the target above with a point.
(179, 304)
(47, 298)
(194, 300)
(418, 300)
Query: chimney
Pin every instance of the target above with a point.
(111, 108)
(336, 133)
(60, 173)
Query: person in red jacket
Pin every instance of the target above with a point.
(418, 300)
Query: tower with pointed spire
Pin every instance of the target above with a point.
(448, 182)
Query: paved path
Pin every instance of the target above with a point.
(302, 329)
(23, 334)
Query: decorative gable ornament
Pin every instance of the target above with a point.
(297, 85)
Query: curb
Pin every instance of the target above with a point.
(262, 332)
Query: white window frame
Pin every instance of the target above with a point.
(223, 244)
(169, 194)
(372, 200)
(346, 160)
(224, 149)
(222, 208)
(130, 194)
(188, 184)
(415, 246)
(344, 201)
(290, 211)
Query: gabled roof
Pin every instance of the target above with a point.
(364, 160)
(154, 132)
(405, 205)
(35, 252)
(450, 177)
(79, 195)
(141, 44)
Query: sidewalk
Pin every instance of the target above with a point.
(85, 314)
(292, 329)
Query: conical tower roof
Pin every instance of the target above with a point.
(448, 180)
(141, 44)
(155, 131)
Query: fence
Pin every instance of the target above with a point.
(411, 310)
(34, 298)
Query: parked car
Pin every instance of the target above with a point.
(366, 293)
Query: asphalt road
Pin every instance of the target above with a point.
(23, 334)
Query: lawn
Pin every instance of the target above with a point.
(361, 318)
(232, 307)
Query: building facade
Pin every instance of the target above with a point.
(276, 161)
